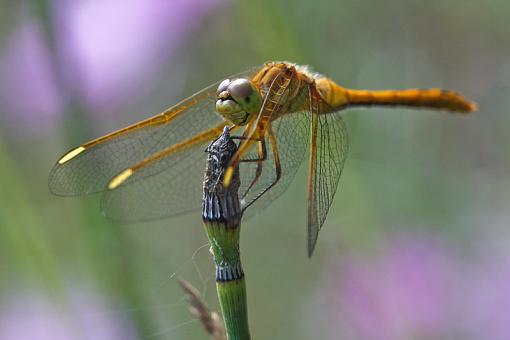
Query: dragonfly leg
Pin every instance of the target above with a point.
(262, 156)
(278, 167)
(262, 153)
(277, 162)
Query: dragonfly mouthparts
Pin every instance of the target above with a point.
(224, 95)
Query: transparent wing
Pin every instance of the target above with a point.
(168, 187)
(173, 184)
(328, 153)
(89, 168)
(292, 139)
(168, 182)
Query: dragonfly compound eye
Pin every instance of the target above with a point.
(246, 95)
(223, 86)
(240, 89)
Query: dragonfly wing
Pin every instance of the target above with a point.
(271, 105)
(328, 151)
(90, 167)
(291, 131)
(170, 186)
(292, 139)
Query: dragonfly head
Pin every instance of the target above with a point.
(238, 100)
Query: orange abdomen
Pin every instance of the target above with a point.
(339, 97)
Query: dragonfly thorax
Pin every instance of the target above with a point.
(238, 100)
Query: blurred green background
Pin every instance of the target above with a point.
(416, 244)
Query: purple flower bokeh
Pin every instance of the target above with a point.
(105, 53)
(83, 316)
(418, 288)
(489, 314)
(28, 87)
(108, 48)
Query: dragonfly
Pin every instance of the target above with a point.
(281, 111)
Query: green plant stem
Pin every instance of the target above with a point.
(222, 214)
(230, 280)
